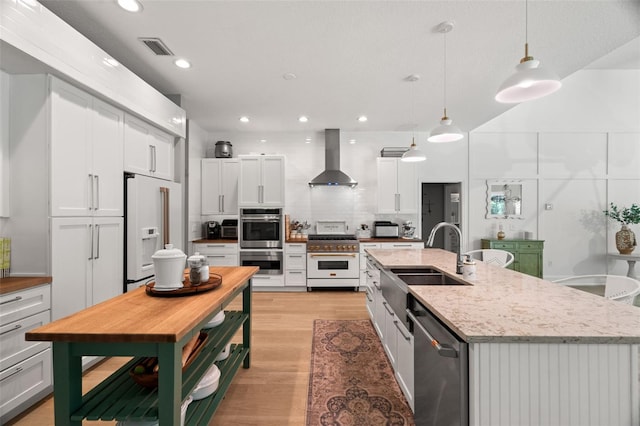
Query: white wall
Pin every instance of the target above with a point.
(196, 150)
(4, 147)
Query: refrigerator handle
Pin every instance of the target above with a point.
(165, 215)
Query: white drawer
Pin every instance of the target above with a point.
(364, 246)
(216, 248)
(295, 278)
(295, 248)
(21, 304)
(222, 259)
(268, 281)
(13, 347)
(296, 261)
(24, 380)
(402, 245)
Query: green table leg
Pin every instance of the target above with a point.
(169, 383)
(246, 327)
(67, 377)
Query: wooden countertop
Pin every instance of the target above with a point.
(11, 284)
(502, 305)
(136, 317)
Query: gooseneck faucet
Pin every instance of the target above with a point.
(432, 235)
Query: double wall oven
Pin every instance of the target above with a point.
(333, 259)
(260, 236)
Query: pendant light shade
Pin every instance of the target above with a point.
(414, 154)
(530, 81)
(446, 131)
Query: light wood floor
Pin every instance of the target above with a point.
(274, 390)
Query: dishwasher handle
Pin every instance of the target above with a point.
(443, 350)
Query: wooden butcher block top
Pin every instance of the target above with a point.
(136, 317)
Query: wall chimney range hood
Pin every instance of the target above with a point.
(332, 175)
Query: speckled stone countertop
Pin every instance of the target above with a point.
(506, 306)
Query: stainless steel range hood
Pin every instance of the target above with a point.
(332, 175)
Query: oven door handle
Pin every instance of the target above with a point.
(260, 218)
(333, 255)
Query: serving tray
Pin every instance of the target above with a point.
(187, 289)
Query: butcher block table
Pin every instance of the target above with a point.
(140, 325)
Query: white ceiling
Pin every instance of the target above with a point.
(351, 57)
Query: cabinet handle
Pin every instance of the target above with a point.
(407, 338)
(397, 202)
(96, 204)
(15, 299)
(19, 369)
(216, 255)
(366, 292)
(91, 241)
(222, 208)
(295, 255)
(97, 228)
(294, 272)
(15, 327)
(386, 306)
(260, 194)
(90, 191)
(375, 283)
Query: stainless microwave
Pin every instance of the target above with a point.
(260, 228)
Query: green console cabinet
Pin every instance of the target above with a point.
(527, 254)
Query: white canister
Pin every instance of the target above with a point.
(469, 269)
(169, 265)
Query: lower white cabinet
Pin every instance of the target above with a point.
(25, 366)
(404, 362)
(219, 254)
(390, 339)
(295, 264)
(267, 281)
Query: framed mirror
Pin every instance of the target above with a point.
(504, 199)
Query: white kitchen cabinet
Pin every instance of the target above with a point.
(295, 264)
(404, 362)
(218, 254)
(86, 151)
(261, 182)
(87, 262)
(269, 282)
(402, 245)
(390, 334)
(363, 261)
(147, 150)
(25, 366)
(220, 186)
(397, 186)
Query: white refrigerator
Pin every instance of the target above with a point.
(153, 218)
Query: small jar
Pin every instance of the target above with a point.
(501, 233)
(469, 268)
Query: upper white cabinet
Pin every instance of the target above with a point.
(261, 180)
(147, 150)
(220, 185)
(86, 149)
(397, 186)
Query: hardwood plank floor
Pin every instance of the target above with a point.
(274, 390)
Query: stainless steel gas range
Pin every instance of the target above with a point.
(333, 260)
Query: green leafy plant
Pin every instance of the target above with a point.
(625, 215)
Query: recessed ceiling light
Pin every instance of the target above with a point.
(244, 119)
(307, 140)
(182, 63)
(303, 119)
(289, 76)
(263, 140)
(362, 118)
(352, 141)
(110, 62)
(130, 5)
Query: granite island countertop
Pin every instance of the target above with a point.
(503, 305)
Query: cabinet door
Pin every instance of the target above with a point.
(404, 364)
(250, 181)
(530, 262)
(71, 256)
(137, 153)
(390, 339)
(230, 172)
(107, 265)
(108, 159)
(71, 179)
(162, 147)
(387, 185)
(210, 186)
(273, 181)
(407, 188)
(25, 380)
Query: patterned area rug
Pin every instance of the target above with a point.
(351, 381)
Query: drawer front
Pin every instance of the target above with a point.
(268, 281)
(216, 248)
(295, 278)
(402, 245)
(296, 248)
(296, 261)
(24, 380)
(222, 260)
(529, 246)
(13, 347)
(21, 304)
(364, 246)
(502, 246)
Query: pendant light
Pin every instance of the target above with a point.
(530, 81)
(414, 154)
(446, 131)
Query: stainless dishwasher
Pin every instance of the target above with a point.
(441, 371)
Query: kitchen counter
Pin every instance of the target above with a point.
(507, 306)
(11, 284)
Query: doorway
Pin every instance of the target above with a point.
(441, 203)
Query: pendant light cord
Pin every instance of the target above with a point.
(444, 72)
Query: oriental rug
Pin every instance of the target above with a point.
(351, 381)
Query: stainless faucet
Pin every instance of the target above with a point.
(432, 235)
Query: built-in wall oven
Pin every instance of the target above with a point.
(261, 228)
(270, 262)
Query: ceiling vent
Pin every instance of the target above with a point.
(156, 45)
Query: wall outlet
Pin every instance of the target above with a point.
(548, 206)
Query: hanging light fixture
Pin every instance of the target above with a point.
(530, 81)
(446, 131)
(413, 155)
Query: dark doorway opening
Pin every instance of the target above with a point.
(441, 203)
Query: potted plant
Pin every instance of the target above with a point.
(625, 238)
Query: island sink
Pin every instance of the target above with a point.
(426, 276)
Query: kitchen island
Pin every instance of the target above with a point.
(139, 325)
(539, 353)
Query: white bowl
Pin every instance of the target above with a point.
(208, 384)
(225, 353)
(216, 320)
